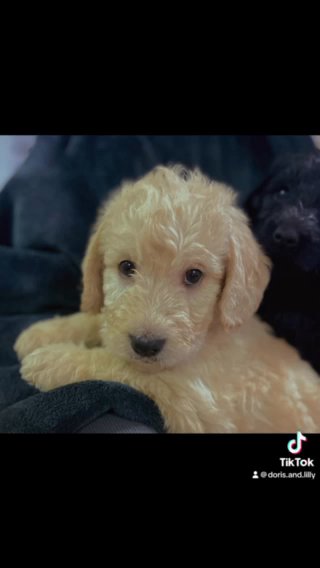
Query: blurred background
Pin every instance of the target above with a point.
(15, 149)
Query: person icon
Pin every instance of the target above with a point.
(255, 475)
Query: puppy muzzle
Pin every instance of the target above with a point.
(146, 347)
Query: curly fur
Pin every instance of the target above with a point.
(220, 369)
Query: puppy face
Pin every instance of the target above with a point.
(285, 212)
(171, 256)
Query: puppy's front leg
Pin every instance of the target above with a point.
(77, 328)
(61, 364)
(57, 365)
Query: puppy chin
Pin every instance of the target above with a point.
(304, 259)
(162, 362)
(147, 364)
(307, 264)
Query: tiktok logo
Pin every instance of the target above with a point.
(295, 445)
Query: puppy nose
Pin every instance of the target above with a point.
(287, 236)
(146, 347)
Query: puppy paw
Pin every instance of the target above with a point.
(34, 337)
(54, 366)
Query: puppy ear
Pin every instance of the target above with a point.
(247, 275)
(92, 269)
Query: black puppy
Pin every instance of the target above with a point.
(285, 215)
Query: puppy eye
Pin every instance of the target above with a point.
(127, 267)
(282, 191)
(193, 276)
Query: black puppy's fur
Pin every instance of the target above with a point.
(285, 216)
